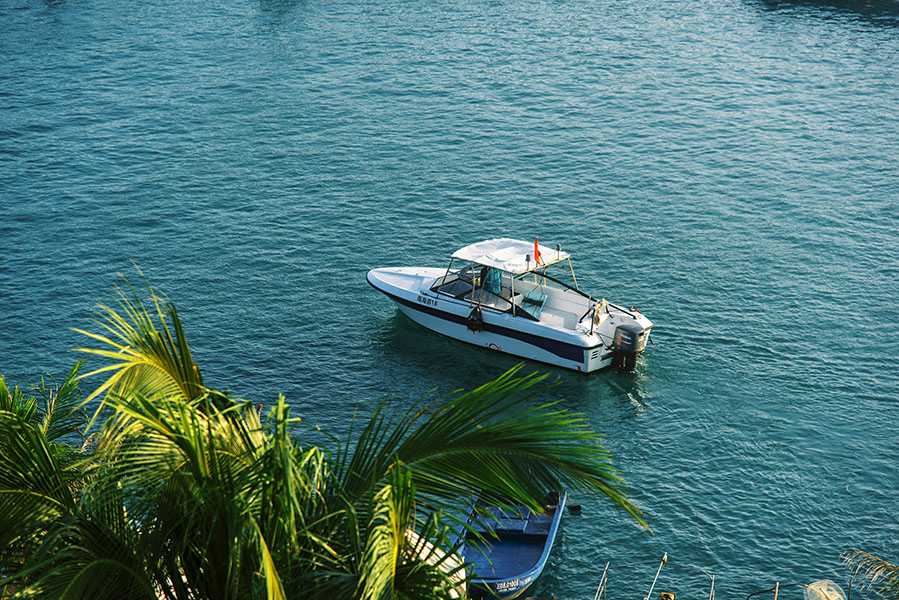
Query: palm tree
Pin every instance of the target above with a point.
(185, 493)
(881, 575)
(41, 473)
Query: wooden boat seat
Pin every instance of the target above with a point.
(502, 522)
(535, 527)
(516, 525)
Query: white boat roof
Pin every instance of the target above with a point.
(509, 255)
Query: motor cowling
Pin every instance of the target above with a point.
(627, 344)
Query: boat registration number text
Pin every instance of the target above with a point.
(512, 584)
(428, 301)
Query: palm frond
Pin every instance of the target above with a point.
(150, 350)
(274, 589)
(879, 575)
(484, 439)
(431, 566)
(61, 413)
(387, 536)
(24, 516)
(221, 500)
(33, 464)
(84, 559)
(15, 402)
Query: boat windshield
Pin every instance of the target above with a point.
(485, 298)
(456, 282)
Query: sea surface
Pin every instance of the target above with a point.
(730, 168)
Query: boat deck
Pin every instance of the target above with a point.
(511, 555)
(518, 549)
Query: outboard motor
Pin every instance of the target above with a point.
(627, 344)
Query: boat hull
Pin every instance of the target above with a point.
(514, 561)
(497, 338)
(499, 331)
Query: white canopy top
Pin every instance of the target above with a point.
(509, 255)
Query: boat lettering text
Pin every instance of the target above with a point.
(428, 301)
(503, 586)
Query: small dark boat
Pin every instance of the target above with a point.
(517, 544)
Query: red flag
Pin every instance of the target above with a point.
(536, 251)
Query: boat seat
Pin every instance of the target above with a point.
(532, 303)
(558, 318)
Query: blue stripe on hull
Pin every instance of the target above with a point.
(560, 349)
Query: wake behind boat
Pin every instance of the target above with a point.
(498, 294)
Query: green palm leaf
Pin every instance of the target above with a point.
(220, 500)
(32, 464)
(151, 354)
(61, 413)
(431, 567)
(483, 439)
(82, 558)
(387, 536)
(15, 402)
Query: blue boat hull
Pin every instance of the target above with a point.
(514, 560)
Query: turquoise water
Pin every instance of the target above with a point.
(730, 168)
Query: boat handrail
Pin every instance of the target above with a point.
(592, 308)
(651, 587)
(701, 570)
(622, 309)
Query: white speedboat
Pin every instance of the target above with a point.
(512, 296)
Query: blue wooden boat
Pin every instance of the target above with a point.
(518, 542)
